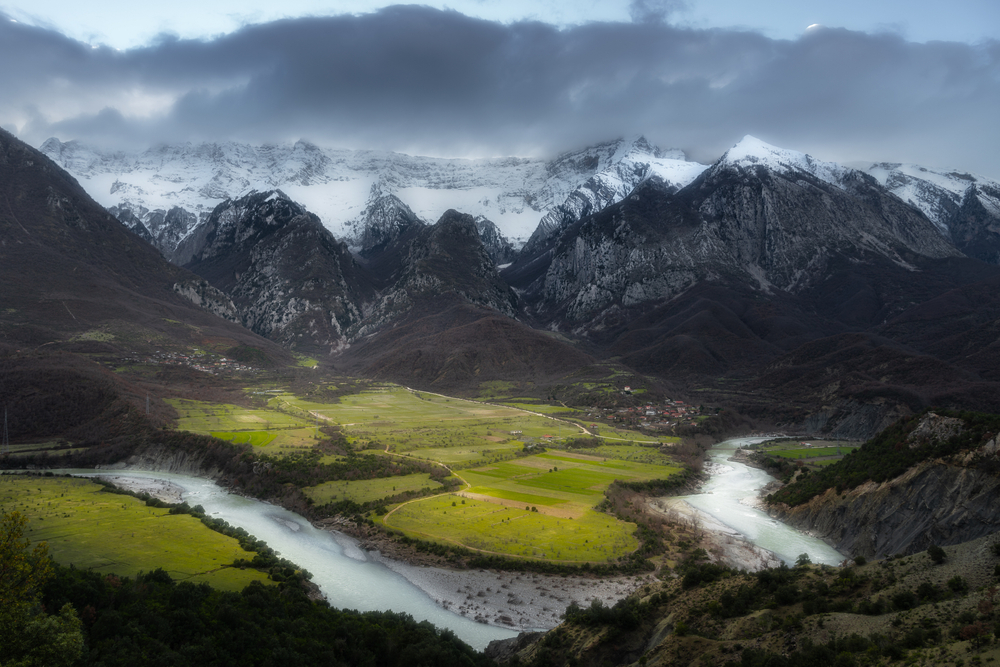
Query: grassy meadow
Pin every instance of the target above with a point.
(264, 428)
(513, 531)
(539, 506)
(820, 453)
(369, 490)
(91, 529)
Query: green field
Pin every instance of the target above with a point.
(630, 453)
(542, 408)
(482, 444)
(254, 438)
(369, 490)
(539, 506)
(463, 457)
(111, 533)
(567, 484)
(593, 537)
(813, 452)
(276, 431)
(405, 421)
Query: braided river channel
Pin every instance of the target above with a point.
(350, 578)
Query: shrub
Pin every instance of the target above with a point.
(958, 584)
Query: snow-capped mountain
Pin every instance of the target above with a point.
(764, 217)
(936, 192)
(618, 168)
(336, 185)
(964, 207)
(384, 218)
(751, 153)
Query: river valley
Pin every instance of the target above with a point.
(474, 605)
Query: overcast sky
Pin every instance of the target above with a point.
(911, 82)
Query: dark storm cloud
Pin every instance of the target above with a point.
(418, 79)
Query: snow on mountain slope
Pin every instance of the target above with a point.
(514, 193)
(618, 168)
(937, 192)
(751, 151)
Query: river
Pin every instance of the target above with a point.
(345, 574)
(351, 579)
(723, 496)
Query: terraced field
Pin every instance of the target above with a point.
(91, 529)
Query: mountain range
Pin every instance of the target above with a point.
(792, 289)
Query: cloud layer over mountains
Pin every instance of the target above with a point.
(421, 80)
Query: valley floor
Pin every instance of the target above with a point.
(516, 600)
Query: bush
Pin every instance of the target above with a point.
(958, 584)
(936, 553)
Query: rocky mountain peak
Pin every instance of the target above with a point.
(384, 219)
(291, 280)
(752, 153)
(496, 244)
(619, 167)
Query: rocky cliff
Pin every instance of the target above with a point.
(940, 501)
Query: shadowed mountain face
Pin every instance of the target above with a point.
(73, 277)
(447, 344)
(290, 279)
(764, 255)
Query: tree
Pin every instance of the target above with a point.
(22, 572)
(936, 553)
(28, 636)
(803, 560)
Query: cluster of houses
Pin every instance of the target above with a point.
(659, 416)
(207, 362)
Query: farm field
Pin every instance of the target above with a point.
(469, 456)
(628, 452)
(368, 490)
(541, 408)
(406, 421)
(820, 453)
(546, 499)
(813, 452)
(272, 430)
(540, 506)
(514, 531)
(111, 533)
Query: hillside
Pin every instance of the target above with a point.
(929, 479)
(899, 611)
(75, 279)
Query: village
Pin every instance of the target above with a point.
(663, 416)
(206, 362)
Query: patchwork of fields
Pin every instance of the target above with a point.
(540, 506)
(522, 494)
